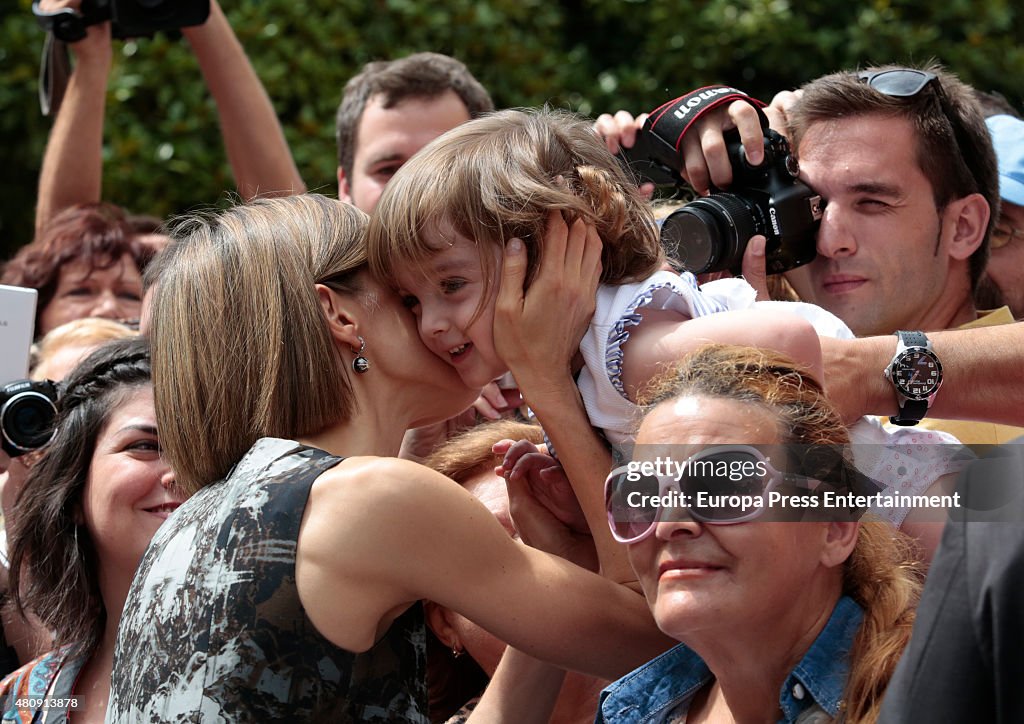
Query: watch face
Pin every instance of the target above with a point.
(917, 374)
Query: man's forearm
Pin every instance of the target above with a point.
(983, 374)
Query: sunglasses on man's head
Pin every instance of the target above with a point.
(909, 82)
(898, 82)
(720, 485)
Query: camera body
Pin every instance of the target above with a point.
(28, 410)
(129, 18)
(711, 233)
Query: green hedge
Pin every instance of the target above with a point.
(163, 151)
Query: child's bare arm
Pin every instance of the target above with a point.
(664, 337)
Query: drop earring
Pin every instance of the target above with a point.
(360, 364)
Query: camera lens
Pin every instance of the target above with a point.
(27, 420)
(710, 234)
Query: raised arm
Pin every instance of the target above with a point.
(260, 158)
(537, 332)
(72, 170)
(381, 534)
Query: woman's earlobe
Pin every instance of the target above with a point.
(840, 540)
(341, 322)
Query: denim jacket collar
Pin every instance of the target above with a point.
(651, 692)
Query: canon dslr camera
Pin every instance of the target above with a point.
(711, 233)
(27, 413)
(129, 18)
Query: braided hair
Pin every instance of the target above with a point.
(53, 561)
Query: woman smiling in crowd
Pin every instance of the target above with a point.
(87, 512)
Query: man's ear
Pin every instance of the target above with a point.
(341, 314)
(344, 192)
(967, 220)
(840, 540)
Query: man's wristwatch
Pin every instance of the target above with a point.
(916, 374)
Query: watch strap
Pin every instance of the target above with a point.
(912, 339)
(911, 411)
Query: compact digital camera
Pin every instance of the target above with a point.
(27, 412)
(129, 18)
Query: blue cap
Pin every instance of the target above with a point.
(1008, 140)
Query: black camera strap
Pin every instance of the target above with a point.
(54, 72)
(668, 123)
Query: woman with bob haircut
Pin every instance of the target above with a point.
(86, 262)
(286, 588)
(83, 520)
(779, 620)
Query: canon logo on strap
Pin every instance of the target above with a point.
(698, 99)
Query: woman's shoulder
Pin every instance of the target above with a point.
(370, 481)
(380, 469)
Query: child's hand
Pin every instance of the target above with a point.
(537, 331)
(543, 506)
(496, 402)
(545, 480)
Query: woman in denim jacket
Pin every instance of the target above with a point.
(781, 617)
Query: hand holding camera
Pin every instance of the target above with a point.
(693, 135)
(93, 41)
(69, 20)
(706, 162)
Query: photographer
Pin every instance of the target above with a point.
(904, 166)
(256, 147)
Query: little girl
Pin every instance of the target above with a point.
(443, 221)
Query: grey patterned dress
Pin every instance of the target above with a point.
(213, 629)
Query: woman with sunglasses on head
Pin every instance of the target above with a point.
(798, 620)
(286, 588)
(80, 525)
